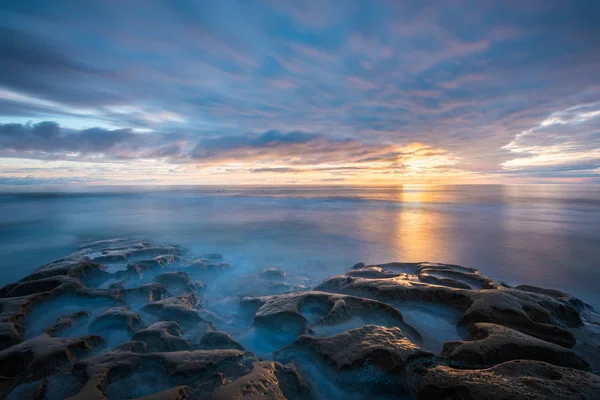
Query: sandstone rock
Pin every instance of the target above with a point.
(147, 293)
(9, 335)
(73, 266)
(358, 265)
(140, 268)
(536, 314)
(287, 312)
(443, 281)
(182, 309)
(132, 346)
(66, 321)
(219, 340)
(109, 374)
(176, 282)
(208, 268)
(36, 286)
(513, 380)
(557, 294)
(117, 317)
(350, 336)
(176, 393)
(267, 380)
(213, 257)
(387, 348)
(41, 356)
(162, 336)
(491, 344)
(273, 274)
(119, 250)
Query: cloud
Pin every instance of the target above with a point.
(356, 81)
(566, 141)
(294, 147)
(268, 154)
(34, 65)
(48, 140)
(274, 152)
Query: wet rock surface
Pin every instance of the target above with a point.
(123, 318)
(515, 380)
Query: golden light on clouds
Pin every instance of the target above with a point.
(349, 163)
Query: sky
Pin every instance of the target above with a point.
(299, 92)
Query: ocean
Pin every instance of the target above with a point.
(542, 235)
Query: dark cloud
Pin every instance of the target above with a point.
(268, 139)
(295, 147)
(30, 64)
(49, 141)
(48, 137)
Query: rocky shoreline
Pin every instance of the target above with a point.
(122, 319)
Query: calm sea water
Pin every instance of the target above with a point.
(545, 235)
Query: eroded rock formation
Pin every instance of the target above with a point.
(124, 319)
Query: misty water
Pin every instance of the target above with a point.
(543, 235)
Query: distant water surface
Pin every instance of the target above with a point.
(544, 235)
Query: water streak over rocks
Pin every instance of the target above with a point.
(125, 318)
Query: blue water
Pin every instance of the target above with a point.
(544, 235)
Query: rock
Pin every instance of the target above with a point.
(117, 286)
(41, 356)
(213, 257)
(109, 375)
(275, 274)
(117, 318)
(173, 278)
(132, 346)
(386, 348)
(350, 337)
(287, 312)
(9, 335)
(111, 259)
(395, 287)
(267, 380)
(513, 380)
(535, 314)
(367, 362)
(65, 322)
(182, 309)
(443, 281)
(147, 293)
(162, 336)
(123, 250)
(208, 268)
(57, 386)
(176, 282)
(176, 393)
(140, 268)
(358, 265)
(371, 272)
(26, 288)
(557, 294)
(76, 267)
(24, 298)
(456, 273)
(491, 344)
(219, 340)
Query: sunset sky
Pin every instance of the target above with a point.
(307, 92)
